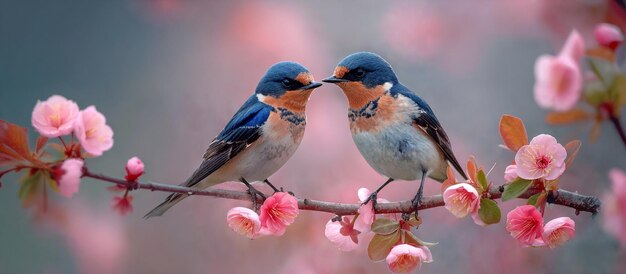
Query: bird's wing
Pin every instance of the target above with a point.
(427, 122)
(242, 130)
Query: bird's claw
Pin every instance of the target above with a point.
(374, 198)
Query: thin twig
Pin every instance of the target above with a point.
(561, 197)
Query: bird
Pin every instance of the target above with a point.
(394, 129)
(260, 137)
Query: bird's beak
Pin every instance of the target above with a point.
(312, 85)
(333, 79)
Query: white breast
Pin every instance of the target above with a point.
(398, 150)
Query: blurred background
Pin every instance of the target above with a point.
(168, 75)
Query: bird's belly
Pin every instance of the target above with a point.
(261, 159)
(399, 151)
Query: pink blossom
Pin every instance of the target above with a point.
(54, 117)
(123, 204)
(366, 212)
(510, 173)
(405, 258)
(526, 225)
(558, 231)
(92, 131)
(608, 35)
(134, 169)
(461, 199)
(574, 46)
(343, 234)
(558, 80)
(244, 221)
(69, 181)
(277, 212)
(614, 206)
(544, 158)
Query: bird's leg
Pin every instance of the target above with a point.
(417, 201)
(374, 196)
(254, 193)
(276, 189)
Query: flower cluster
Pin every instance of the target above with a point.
(525, 224)
(277, 213)
(561, 82)
(391, 236)
(537, 165)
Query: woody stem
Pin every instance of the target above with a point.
(561, 197)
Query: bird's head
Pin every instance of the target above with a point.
(363, 76)
(286, 84)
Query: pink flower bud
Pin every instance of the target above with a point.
(277, 212)
(54, 117)
(134, 169)
(558, 231)
(543, 158)
(69, 180)
(405, 258)
(244, 221)
(526, 225)
(94, 134)
(366, 212)
(609, 36)
(461, 199)
(510, 173)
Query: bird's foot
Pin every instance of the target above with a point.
(374, 198)
(416, 203)
(255, 194)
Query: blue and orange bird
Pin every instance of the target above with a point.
(260, 138)
(394, 129)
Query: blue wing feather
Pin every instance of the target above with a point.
(241, 131)
(429, 123)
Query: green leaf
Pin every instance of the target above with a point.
(29, 185)
(482, 179)
(617, 92)
(515, 189)
(410, 238)
(604, 69)
(383, 226)
(489, 211)
(381, 245)
(533, 199)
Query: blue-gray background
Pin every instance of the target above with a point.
(168, 74)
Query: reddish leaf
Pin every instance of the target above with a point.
(384, 226)
(41, 141)
(602, 52)
(14, 142)
(450, 181)
(568, 117)
(472, 170)
(513, 132)
(572, 151)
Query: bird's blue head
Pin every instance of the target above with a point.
(363, 77)
(286, 77)
(366, 68)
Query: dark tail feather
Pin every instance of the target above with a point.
(170, 201)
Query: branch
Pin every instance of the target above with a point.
(559, 197)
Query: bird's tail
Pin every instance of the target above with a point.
(170, 201)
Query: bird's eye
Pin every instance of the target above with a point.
(359, 73)
(286, 83)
